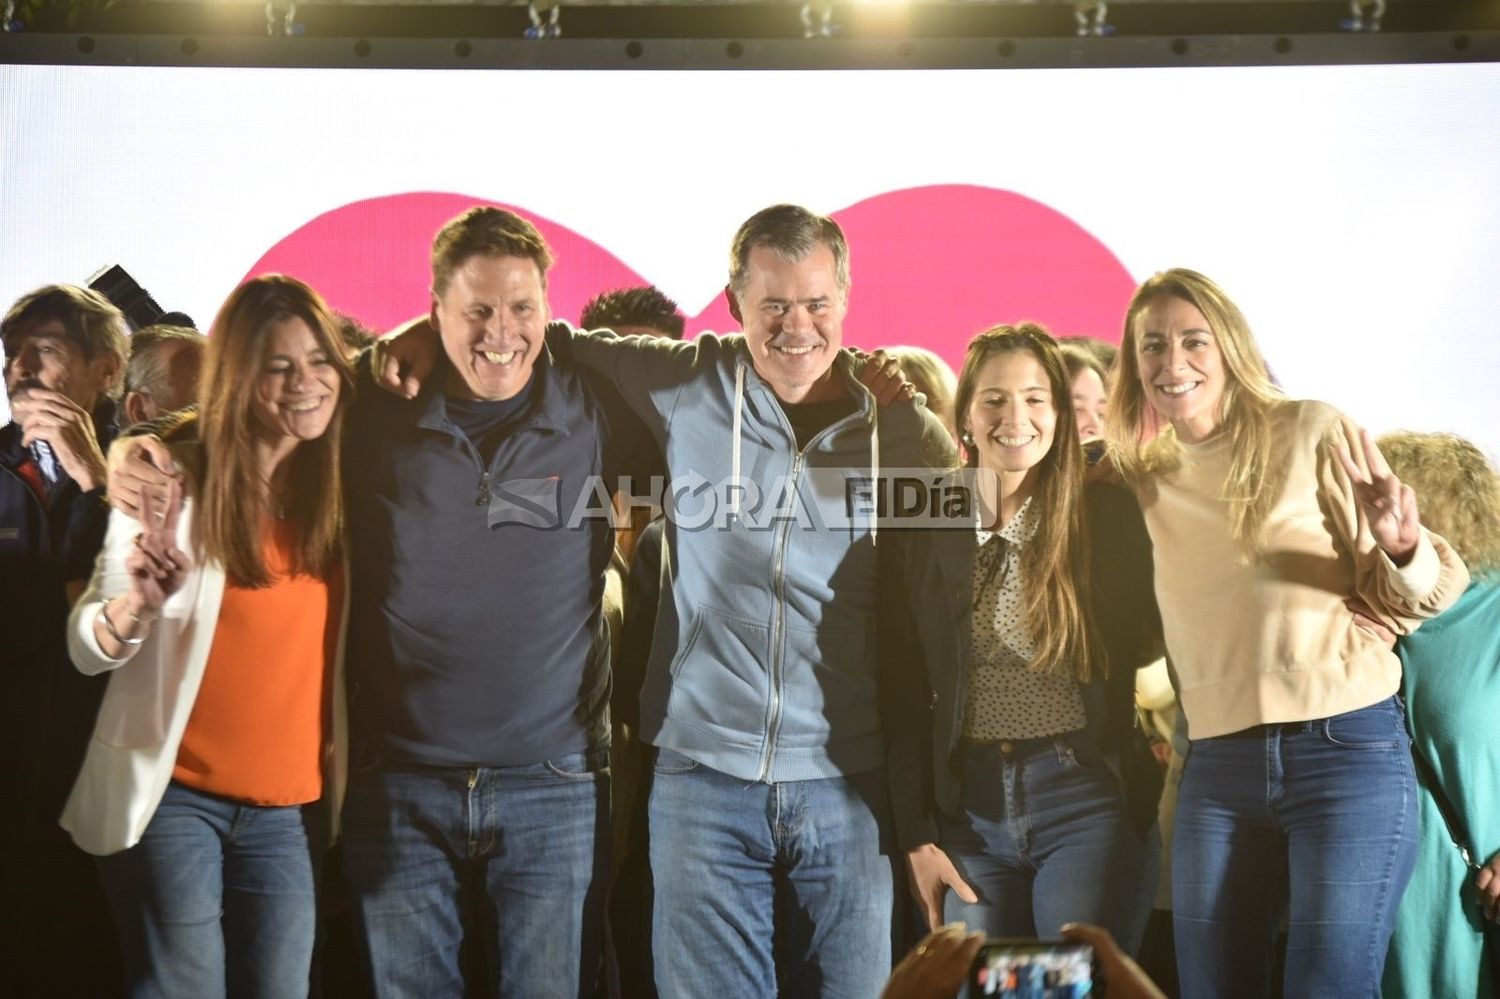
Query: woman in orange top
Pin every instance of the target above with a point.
(220, 615)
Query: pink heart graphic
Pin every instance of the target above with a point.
(931, 266)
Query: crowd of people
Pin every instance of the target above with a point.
(499, 656)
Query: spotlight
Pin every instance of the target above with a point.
(545, 15)
(282, 22)
(125, 293)
(1365, 15)
(817, 19)
(1090, 16)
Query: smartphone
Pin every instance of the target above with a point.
(1033, 969)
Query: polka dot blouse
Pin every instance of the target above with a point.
(1005, 699)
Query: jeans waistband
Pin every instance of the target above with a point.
(1257, 731)
(1016, 749)
(1312, 724)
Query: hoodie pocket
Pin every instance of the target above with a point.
(831, 688)
(719, 676)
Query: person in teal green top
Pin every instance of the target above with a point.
(1446, 929)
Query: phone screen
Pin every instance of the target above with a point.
(1033, 969)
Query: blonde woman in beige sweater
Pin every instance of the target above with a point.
(1267, 515)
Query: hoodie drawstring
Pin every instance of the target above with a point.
(734, 461)
(875, 477)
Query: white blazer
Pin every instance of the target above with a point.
(151, 693)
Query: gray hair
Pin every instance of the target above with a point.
(792, 232)
(147, 369)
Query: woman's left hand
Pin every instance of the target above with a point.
(1389, 504)
(1487, 887)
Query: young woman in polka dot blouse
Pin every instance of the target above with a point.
(1018, 798)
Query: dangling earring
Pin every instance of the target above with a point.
(966, 438)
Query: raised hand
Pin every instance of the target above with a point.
(157, 567)
(1389, 505)
(44, 415)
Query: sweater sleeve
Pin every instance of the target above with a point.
(1404, 596)
(648, 372)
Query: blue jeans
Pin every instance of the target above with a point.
(516, 858)
(217, 899)
(1044, 839)
(1319, 814)
(767, 889)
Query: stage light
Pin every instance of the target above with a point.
(545, 17)
(1365, 15)
(279, 22)
(1091, 18)
(817, 19)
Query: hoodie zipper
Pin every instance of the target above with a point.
(778, 588)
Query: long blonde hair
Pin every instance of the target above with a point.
(234, 507)
(1055, 563)
(1144, 445)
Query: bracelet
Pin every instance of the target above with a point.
(109, 626)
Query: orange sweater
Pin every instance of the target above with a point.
(258, 725)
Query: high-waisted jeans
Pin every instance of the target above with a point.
(1318, 817)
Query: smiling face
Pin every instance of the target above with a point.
(297, 388)
(1089, 399)
(1012, 415)
(792, 312)
(492, 317)
(1182, 369)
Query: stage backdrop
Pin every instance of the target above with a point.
(1353, 211)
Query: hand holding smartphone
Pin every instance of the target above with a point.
(1033, 969)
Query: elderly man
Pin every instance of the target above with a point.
(162, 374)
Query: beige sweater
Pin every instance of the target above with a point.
(1271, 640)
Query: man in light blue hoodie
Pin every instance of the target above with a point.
(770, 840)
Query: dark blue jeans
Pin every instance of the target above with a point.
(517, 857)
(767, 889)
(217, 899)
(1044, 840)
(1316, 817)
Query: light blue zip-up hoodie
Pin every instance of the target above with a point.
(764, 660)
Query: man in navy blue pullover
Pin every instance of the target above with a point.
(478, 803)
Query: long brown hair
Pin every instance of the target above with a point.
(234, 507)
(1144, 445)
(1055, 562)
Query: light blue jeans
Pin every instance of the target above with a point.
(515, 857)
(1044, 839)
(217, 899)
(1320, 815)
(769, 889)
